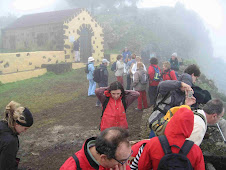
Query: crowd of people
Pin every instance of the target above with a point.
(182, 132)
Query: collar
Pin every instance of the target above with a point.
(89, 158)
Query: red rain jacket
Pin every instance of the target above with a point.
(166, 73)
(177, 130)
(114, 114)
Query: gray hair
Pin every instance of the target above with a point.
(214, 106)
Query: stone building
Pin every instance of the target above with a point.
(56, 31)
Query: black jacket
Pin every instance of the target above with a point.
(104, 76)
(9, 145)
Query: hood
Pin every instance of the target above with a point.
(4, 128)
(186, 78)
(180, 125)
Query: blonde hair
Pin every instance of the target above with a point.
(140, 65)
(13, 112)
(166, 64)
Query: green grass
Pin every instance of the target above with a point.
(43, 92)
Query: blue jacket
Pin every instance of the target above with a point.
(91, 69)
(124, 54)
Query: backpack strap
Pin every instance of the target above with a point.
(165, 144)
(186, 147)
(105, 105)
(77, 162)
(124, 103)
(169, 74)
(200, 115)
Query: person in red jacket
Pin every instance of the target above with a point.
(177, 130)
(154, 76)
(111, 150)
(115, 100)
(168, 74)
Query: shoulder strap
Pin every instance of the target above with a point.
(105, 105)
(77, 162)
(200, 115)
(165, 144)
(169, 74)
(124, 103)
(186, 147)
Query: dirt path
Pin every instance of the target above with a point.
(60, 131)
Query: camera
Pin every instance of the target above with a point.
(190, 94)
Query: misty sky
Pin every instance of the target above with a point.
(213, 12)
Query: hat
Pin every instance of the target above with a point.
(90, 59)
(28, 118)
(186, 78)
(174, 54)
(105, 61)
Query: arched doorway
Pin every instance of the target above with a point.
(85, 33)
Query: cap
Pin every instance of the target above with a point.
(186, 78)
(91, 59)
(105, 61)
(174, 54)
(28, 118)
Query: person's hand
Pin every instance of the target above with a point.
(186, 87)
(190, 101)
(119, 167)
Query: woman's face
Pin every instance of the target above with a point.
(19, 129)
(115, 94)
(164, 67)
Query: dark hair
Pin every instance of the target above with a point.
(154, 60)
(214, 106)
(109, 139)
(133, 56)
(193, 69)
(117, 86)
(119, 56)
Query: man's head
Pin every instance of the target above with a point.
(194, 71)
(214, 110)
(113, 147)
(154, 60)
(105, 62)
(174, 56)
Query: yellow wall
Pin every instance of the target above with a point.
(85, 18)
(8, 78)
(29, 60)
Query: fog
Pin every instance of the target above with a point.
(211, 12)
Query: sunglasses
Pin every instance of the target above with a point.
(122, 162)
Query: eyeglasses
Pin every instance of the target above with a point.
(122, 162)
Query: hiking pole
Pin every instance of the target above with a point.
(221, 133)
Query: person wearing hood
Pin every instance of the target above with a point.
(104, 77)
(140, 85)
(115, 100)
(92, 83)
(172, 93)
(16, 120)
(177, 130)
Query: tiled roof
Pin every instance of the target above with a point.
(43, 18)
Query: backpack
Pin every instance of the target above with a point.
(144, 78)
(168, 73)
(97, 74)
(87, 69)
(175, 161)
(159, 125)
(157, 76)
(113, 67)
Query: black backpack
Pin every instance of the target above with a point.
(113, 67)
(97, 74)
(175, 161)
(86, 69)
